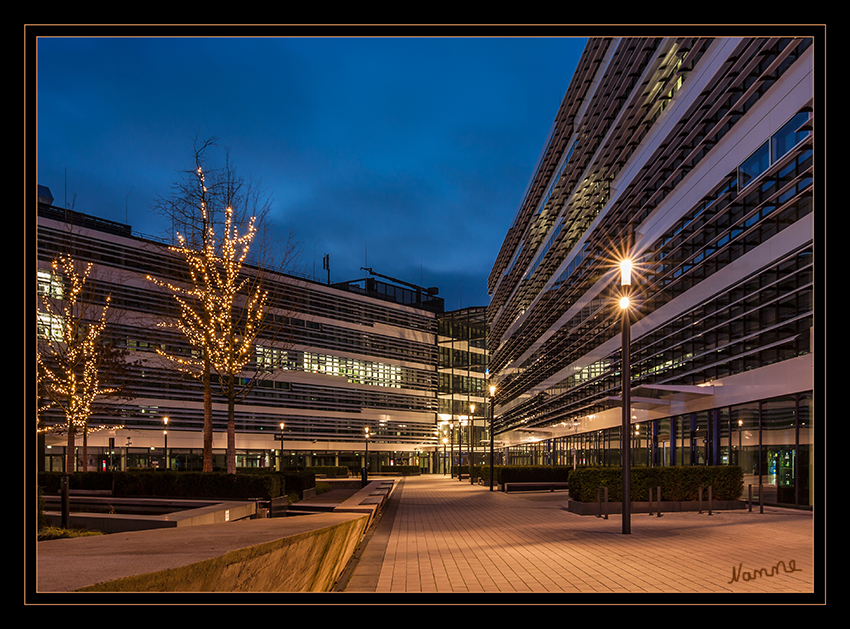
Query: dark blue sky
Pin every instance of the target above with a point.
(408, 155)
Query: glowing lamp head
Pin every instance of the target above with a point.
(625, 272)
(624, 302)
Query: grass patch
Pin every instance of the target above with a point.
(55, 532)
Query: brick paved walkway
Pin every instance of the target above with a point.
(441, 535)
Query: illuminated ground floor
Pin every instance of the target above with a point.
(183, 450)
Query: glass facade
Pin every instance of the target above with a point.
(463, 428)
(770, 440)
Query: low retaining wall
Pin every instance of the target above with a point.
(172, 513)
(368, 500)
(306, 562)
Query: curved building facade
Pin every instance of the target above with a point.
(694, 157)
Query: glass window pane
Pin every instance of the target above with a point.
(754, 165)
(745, 440)
(779, 453)
(788, 136)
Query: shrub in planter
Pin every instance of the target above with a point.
(678, 483)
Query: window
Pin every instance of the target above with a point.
(49, 327)
(49, 285)
(271, 358)
(771, 151)
(754, 165)
(788, 136)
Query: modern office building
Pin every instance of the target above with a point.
(462, 390)
(360, 354)
(693, 156)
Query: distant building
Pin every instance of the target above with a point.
(694, 155)
(360, 354)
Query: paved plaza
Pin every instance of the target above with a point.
(441, 535)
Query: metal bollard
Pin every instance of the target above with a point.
(650, 502)
(606, 504)
(65, 502)
(700, 499)
(603, 512)
(750, 497)
(658, 492)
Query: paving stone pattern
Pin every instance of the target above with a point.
(440, 535)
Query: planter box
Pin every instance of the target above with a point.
(667, 506)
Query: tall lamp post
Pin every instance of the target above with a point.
(452, 448)
(459, 447)
(471, 437)
(492, 394)
(365, 473)
(625, 445)
(165, 441)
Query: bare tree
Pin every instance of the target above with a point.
(72, 351)
(223, 301)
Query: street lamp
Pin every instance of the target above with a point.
(471, 437)
(165, 441)
(452, 448)
(625, 445)
(460, 424)
(364, 474)
(492, 394)
(280, 456)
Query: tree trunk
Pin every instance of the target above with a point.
(69, 449)
(85, 455)
(231, 428)
(208, 429)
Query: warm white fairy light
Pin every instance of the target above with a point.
(69, 366)
(221, 311)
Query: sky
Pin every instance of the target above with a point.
(408, 155)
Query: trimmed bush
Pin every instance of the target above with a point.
(526, 473)
(402, 470)
(328, 470)
(168, 484)
(676, 482)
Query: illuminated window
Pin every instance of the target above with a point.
(48, 284)
(49, 326)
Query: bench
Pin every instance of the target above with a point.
(538, 486)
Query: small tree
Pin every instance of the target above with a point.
(222, 303)
(240, 308)
(72, 351)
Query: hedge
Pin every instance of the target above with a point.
(676, 482)
(402, 470)
(328, 470)
(167, 484)
(525, 473)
